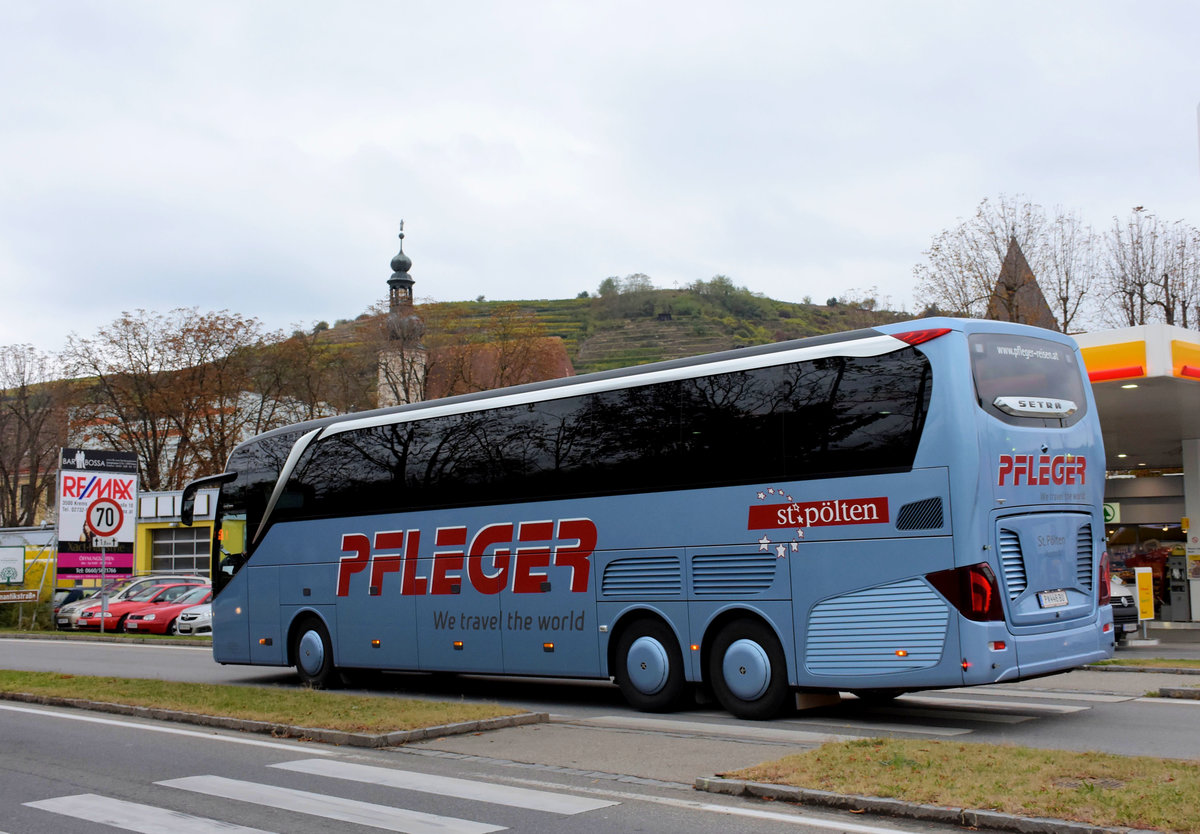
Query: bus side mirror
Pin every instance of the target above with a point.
(187, 502)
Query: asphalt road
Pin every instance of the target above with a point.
(70, 771)
(1082, 710)
(635, 770)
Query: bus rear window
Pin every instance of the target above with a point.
(1027, 381)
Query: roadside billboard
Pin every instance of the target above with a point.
(97, 514)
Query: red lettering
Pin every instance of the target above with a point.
(525, 579)
(1044, 470)
(360, 546)
(490, 536)
(412, 585)
(1006, 467)
(578, 556)
(1056, 470)
(382, 563)
(490, 563)
(445, 561)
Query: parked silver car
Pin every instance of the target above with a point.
(196, 620)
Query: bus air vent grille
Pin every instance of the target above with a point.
(920, 515)
(1012, 560)
(1083, 556)
(892, 628)
(733, 574)
(642, 576)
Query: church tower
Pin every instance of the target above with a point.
(402, 362)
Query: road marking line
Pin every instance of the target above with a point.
(796, 818)
(939, 711)
(330, 807)
(881, 727)
(127, 725)
(742, 732)
(1056, 709)
(499, 794)
(1048, 694)
(1178, 702)
(133, 816)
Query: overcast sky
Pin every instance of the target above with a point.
(258, 156)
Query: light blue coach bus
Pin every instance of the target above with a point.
(890, 509)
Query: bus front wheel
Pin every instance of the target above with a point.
(649, 666)
(313, 654)
(747, 671)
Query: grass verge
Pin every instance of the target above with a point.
(1099, 788)
(297, 707)
(1151, 663)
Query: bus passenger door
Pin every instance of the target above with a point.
(549, 602)
(458, 623)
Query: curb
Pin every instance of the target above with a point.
(393, 739)
(109, 637)
(1173, 692)
(881, 806)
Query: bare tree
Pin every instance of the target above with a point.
(32, 428)
(1151, 271)
(1068, 262)
(211, 408)
(964, 262)
(168, 387)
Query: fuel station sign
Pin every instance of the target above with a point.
(97, 513)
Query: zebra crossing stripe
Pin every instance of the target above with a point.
(132, 816)
(330, 807)
(527, 798)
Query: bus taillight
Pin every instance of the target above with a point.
(972, 590)
(916, 337)
(1104, 583)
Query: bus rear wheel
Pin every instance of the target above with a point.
(313, 654)
(649, 666)
(747, 671)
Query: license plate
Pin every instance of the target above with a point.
(1052, 599)
(1130, 626)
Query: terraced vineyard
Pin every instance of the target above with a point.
(604, 333)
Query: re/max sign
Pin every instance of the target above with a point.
(497, 557)
(1042, 470)
(97, 486)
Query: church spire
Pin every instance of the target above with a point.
(401, 283)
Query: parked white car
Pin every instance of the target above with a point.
(196, 620)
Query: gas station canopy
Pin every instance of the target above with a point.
(1146, 381)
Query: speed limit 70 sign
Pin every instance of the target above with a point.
(104, 517)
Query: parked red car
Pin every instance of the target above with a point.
(160, 616)
(91, 617)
